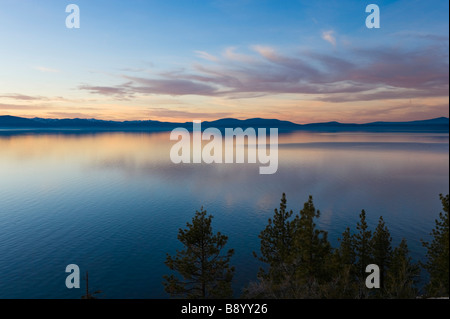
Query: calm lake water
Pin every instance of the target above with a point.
(112, 203)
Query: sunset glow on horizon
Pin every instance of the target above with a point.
(176, 61)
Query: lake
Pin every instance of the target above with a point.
(112, 203)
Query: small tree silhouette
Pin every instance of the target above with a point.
(88, 294)
(205, 272)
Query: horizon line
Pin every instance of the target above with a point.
(225, 118)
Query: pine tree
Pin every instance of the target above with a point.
(277, 252)
(314, 249)
(382, 249)
(401, 278)
(363, 253)
(363, 245)
(346, 248)
(437, 263)
(297, 254)
(205, 272)
(344, 285)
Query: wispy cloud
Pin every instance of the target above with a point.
(170, 86)
(181, 114)
(329, 37)
(231, 55)
(72, 115)
(22, 107)
(45, 69)
(22, 97)
(420, 35)
(355, 75)
(206, 56)
(120, 91)
(266, 51)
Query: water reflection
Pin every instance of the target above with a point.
(113, 202)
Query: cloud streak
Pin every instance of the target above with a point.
(329, 37)
(23, 97)
(206, 56)
(356, 75)
(120, 91)
(22, 107)
(45, 69)
(166, 113)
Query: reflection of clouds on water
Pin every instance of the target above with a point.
(344, 172)
(118, 197)
(367, 146)
(343, 177)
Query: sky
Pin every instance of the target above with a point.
(183, 60)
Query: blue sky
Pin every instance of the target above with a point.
(306, 61)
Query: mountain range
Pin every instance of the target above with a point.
(8, 122)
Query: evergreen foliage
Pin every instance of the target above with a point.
(205, 272)
(437, 263)
(299, 261)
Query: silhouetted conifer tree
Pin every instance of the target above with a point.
(205, 272)
(382, 249)
(313, 249)
(437, 263)
(401, 277)
(297, 254)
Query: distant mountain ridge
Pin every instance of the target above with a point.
(8, 122)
